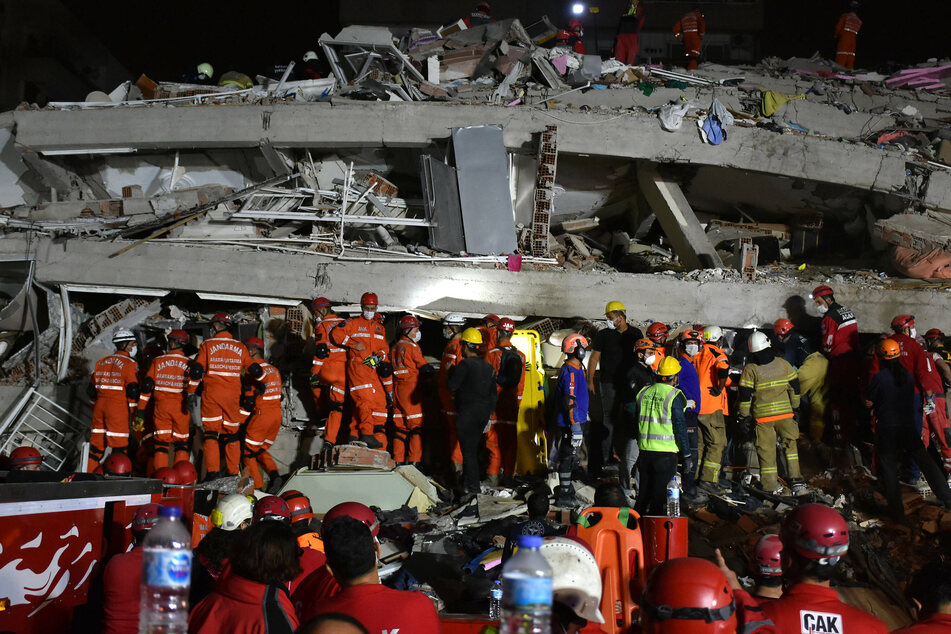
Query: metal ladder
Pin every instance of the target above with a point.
(37, 421)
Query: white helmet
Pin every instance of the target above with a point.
(454, 319)
(231, 511)
(758, 341)
(309, 55)
(122, 335)
(712, 333)
(577, 578)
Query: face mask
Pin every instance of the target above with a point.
(691, 349)
(913, 334)
(133, 350)
(447, 332)
(611, 325)
(369, 314)
(417, 337)
(649, 359)
(822, 309)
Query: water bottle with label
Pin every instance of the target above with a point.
(673, 497)
(527, 590)
(166, 576)
(495, 601)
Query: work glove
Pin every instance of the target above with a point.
(315, 381)
(389, 400)
(577, 436)
(384, 369)
(691, 404)
(427, 370)
(372, 360)
(690, 463)
(929, 406)
(747, 425)
(191, 401)
(795, 415)
(322, 351)
(715, 390)
(247, 403)
(138, 424)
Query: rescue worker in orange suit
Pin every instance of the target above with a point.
(167, 380)
(114, 388)
(840, 343)
(814, 539)
(409, 367)
(369, 374)
(690, 30)
(452, 326)
(572, 38)
(626, 44)
(481, 15)
(490, 332)
(217, 370)
(328, 371)
(501, 440)
(261, 406)
(657, 332)
(846, 32)
(713, 370)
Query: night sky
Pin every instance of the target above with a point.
(162, 38)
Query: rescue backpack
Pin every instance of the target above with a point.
(510, 369)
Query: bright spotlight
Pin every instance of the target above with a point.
(577, 8)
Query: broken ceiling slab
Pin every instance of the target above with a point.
(921, 232)
(938, 194)
(387, 490)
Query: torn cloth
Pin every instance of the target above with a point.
(712, 127)
(773, 101)
(672, 116)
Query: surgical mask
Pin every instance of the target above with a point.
(133, 350)
(611, 325)
(691, 349)
(822, 309)
(447, 332)
(649, 359)
(417, 337)
(913, 334)
(369, 314)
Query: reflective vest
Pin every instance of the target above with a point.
(655, 422)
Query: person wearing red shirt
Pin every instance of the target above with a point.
(352, 555)
(840, 343)
(930, 589)
(122, 578)
(251, 596)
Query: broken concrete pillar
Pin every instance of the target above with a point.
(677, 219)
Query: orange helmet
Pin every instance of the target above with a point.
(571, 343)
(657, 332)
(688, 335)
(687, 595)
(644, 344)
(782, 326)
(299, 504)
(889, 349)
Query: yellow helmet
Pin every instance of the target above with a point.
(668, 367)
(613, 306)
(472, 335)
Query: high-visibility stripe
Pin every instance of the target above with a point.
(382, 414)
(227, 424)
(169, 389)
(253, 442)
(659, 437)
(360, 387)
(117, 433)
(271, 398)
(770, 419)
(409, 416)
(211, 419)
(179, 435)
(220, 373)
(110, 387)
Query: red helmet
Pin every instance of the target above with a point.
(254, 342)
(889, 349)
(167, 475)
(484, 7)
(574, 24)
(179, 336)
(117, 464)
(506, 325)
(821, 291)
(409, 321)
(769, 556)
(903, 321)
(690, 335)
(369, 299)
(222, 318)
(299, 505)
(145, 517)
(934, 333)
(657, 332)
(24, 457)
(271, 507)
(187, 474)
(492, 319)
(320, 302)
(782, 326)
(815, 531)
(356, 510)
(571, 343)
(687, 595)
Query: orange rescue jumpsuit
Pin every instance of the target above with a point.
(408, 411)
(846, 32)
(451, 357)
(332, 373)
(263, 425)
(710, 363)
(690, 29)
(367, 388)
(501, 440)
(115, 379)
(222, 359)
(170, 418)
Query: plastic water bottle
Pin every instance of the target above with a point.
(495, 601)
(673, 497)
(166, 576)
(527, 590)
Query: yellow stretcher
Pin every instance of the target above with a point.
(532, 453)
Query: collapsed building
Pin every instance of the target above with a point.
(461, 170)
